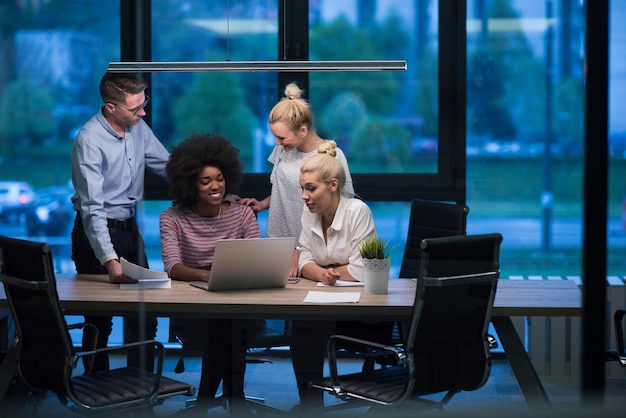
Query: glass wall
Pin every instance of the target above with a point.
(524, 112)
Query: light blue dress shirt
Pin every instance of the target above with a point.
(108, 176)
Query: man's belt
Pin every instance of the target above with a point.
(121, 224)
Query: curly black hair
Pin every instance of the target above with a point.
(194, 154)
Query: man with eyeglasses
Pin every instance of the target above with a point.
(109, 156)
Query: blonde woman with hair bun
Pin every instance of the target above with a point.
(334, 224)
(291, 123)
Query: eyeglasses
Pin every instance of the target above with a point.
(135, 110)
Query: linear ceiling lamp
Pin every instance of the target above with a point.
(258, 66)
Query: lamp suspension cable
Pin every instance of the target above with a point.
(227, 30)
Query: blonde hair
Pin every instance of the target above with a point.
(326, 164)
(292, 110)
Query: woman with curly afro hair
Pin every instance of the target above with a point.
(202, 170)
(196, 153)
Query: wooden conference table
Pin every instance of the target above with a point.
(93, 294)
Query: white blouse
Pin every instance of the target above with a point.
(353, 223)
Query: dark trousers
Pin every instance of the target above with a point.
(223, 346)
(128, 244)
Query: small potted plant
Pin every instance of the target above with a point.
(376, 264)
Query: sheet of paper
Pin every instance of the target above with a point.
(342, 283)
(146, 278)
(332, 297)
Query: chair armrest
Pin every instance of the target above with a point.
(80, 325)
(92, 343)
(618, 318)
(618, 355)
(155, 343)
(370, 348)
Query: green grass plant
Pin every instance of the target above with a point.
(374, 247)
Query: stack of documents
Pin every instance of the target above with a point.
(146, 278)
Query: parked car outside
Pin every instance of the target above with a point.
(15, 199)
(51, 213)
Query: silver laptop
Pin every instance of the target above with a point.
(257, 263)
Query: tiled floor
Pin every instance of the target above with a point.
(275, 383)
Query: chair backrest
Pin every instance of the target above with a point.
(27, 273)
(430, 219)
(454, 299)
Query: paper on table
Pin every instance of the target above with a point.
(146, 278)
(342, 283)
(332, 297)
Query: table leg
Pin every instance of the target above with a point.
(237, 362)
(527, 378)
(4, 330)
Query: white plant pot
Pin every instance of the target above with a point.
(376, 275)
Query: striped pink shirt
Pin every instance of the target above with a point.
(189, 239)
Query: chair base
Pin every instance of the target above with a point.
(613, 355)
(408, 408)
(252, 402)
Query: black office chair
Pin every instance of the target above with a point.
(45, 355)
(618, 355)
(267, 334)
(430, 219)
(446, 348)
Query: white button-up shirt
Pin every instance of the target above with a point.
(353, 223)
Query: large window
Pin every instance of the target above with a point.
(497, 81)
